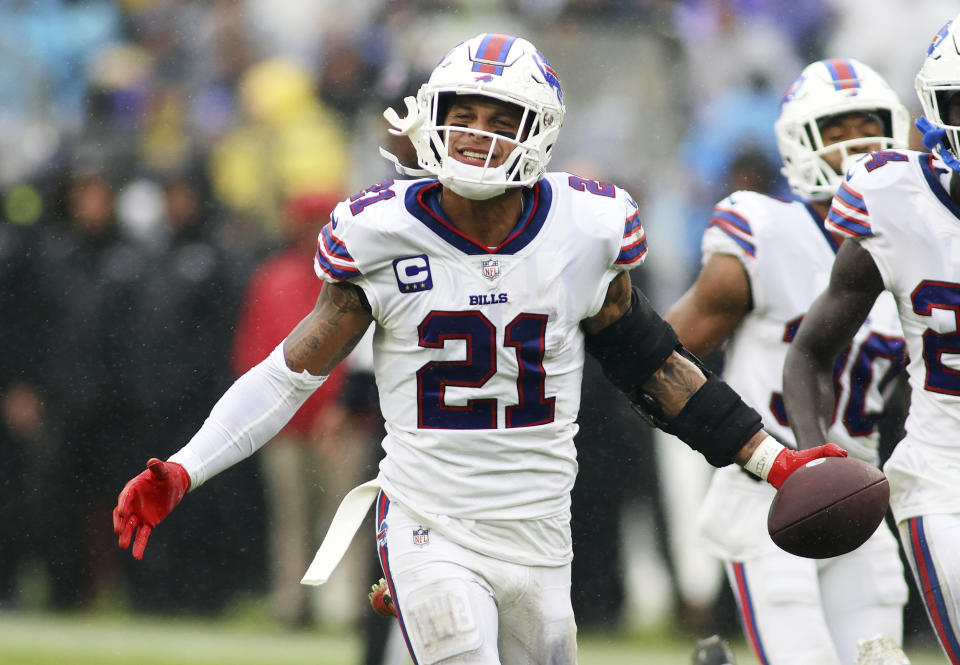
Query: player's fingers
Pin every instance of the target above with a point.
(117, 520)
(157, 468)
(140, 543)
(833, 450)
(126, 531)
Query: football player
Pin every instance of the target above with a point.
(901, 213)
(486, 282)
(764, 262)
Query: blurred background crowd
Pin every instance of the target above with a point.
(165, 167)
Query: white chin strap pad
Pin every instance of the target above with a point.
(456, 175)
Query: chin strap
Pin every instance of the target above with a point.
(934, 140)
(401, 169)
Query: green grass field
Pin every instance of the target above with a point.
(95, 639)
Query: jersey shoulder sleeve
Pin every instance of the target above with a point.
(345, 242)
(870, 180)
(633, 242)
(737, 225)
(602, 208)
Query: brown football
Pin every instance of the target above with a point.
(828, 507)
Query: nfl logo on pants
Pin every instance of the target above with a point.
(421, 536)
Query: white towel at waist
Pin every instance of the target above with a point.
(345, 523)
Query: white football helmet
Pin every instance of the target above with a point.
(937, 80)
(829, 88)
(502, 67)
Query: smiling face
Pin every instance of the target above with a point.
(847, 127)
(474, 112)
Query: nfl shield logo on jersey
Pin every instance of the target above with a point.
(421, 536)
(491, 268)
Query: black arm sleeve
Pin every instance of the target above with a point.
(715, 421)
(634, 346)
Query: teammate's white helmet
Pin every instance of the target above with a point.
(938, 79)
(502, 67)
(828, 88)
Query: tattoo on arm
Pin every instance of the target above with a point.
(673, 384)
(615, 304)
(743, 455)
(330, 332)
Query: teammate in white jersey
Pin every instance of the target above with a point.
(764, 262)
(486, 282)
(902, 211)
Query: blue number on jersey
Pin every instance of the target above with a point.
(930, 295)
(525, 334)
(882, 157)
(592, 186)
(856, 420)
(379, 192)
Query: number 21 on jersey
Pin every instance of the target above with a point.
(525, 334)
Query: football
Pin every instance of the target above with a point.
(827, 507)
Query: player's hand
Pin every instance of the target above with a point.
(380, 599)
(788, 461)
(146, 500)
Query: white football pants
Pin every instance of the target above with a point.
(460, 607)
(932, 546)
(798, 611)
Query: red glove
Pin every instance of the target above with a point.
(788, 461)
(146, 500)
(380, 599)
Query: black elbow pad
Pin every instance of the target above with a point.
(634, 346)
(715, 422)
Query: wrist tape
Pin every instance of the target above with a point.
(762, 458)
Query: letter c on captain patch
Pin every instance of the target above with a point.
(413, 273)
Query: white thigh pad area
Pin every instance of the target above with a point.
(440, 620)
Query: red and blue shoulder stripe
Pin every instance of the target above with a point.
(736, 226)
(332, 256)
(848, 213)
(633, 247)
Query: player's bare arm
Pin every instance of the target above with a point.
(703, 318)
(674, 384)
(641, 355)
(615, 304)
(328, 333)
(711, 309)
(833, 319)
(249, 414)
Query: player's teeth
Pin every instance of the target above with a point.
(475, 155)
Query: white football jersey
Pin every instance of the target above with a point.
(787, 254)
(478, 353)
(895, 203)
